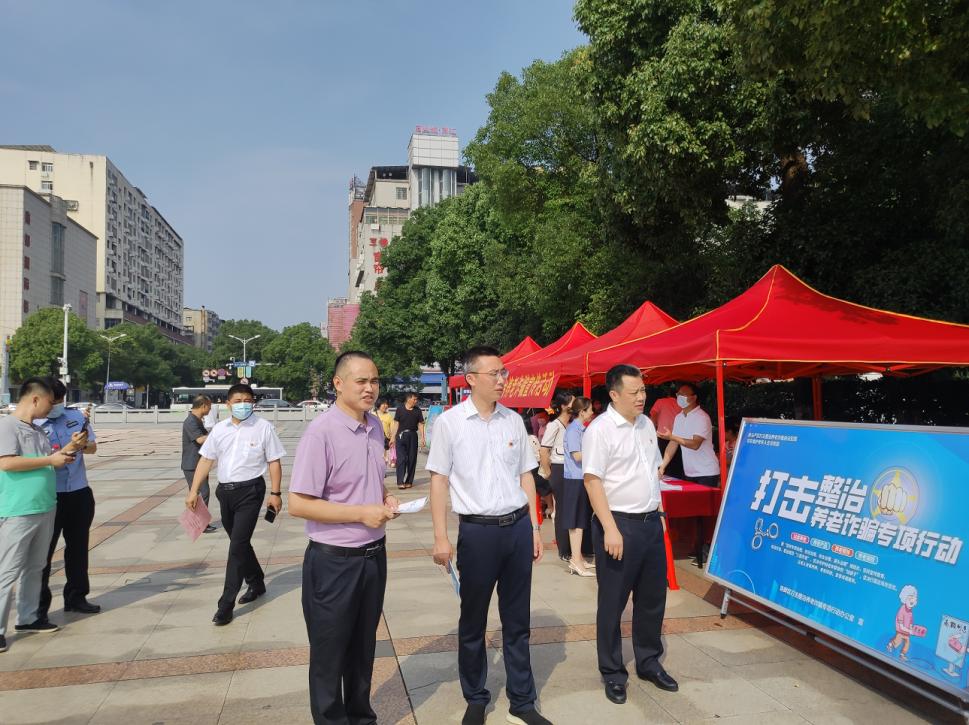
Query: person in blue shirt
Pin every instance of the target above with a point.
(75, 508)
(576, 511)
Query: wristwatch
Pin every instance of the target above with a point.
(276, 493)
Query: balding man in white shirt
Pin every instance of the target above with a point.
(244, 446)
(620, 460)
(480, 452)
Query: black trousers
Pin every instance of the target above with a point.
(641, 572)
(557, 480)
(73, 517)
(406, 456)
(342, 600)
(711, 481)
(486, 556)
(240, 509)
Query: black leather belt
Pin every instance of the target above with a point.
(241, 484)
(644, 516)
(367, 550)
(503, 520)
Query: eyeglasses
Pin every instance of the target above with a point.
(494, 374)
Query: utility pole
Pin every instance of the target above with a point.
(65, 376)
(107, 373)
(4, 370)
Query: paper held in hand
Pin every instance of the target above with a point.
(195, 521)
(412, 507)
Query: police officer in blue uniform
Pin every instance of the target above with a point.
(75, 508)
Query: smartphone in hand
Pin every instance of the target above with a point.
(270, 514)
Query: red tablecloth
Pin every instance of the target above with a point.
(691, 500)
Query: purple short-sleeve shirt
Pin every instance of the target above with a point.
(341, 460)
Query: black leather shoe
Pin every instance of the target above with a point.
(473, 715)
(251, 595)
(222, 617)
(661, 679)
(616, 692)
(83, 606)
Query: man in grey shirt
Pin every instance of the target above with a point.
(193, 436)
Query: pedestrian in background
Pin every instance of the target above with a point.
(552, 466)
(387, 423)
(663, 414)
(576, 514)
(194, 434)
(408, 427)
(74, 512)
(693, 435)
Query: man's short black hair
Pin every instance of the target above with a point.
(200, 401)
(618, 372)
(472, 355)
(58, 389)
(345, 357)
(36, 386)
(239, 388)
(692, 387)
(411, 394)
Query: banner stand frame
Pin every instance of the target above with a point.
(959, 706)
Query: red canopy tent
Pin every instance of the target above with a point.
(523, 348)
(573, 365)
(782, 328)
(534, 390)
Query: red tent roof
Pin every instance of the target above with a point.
(523, 348)
(535, 390)
(571, 364)
(575, 336)
(782, 328)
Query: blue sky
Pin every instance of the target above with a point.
(244, 121)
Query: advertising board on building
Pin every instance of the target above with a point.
(856, 531)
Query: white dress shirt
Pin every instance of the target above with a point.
(703, 461)
(626, 458)
(243, 451)
(483, 459)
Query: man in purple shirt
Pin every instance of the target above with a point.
(338, 487)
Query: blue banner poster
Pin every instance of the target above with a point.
(857, 531)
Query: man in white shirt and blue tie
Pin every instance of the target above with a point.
(480, 452)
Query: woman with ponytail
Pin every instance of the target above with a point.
(576, 512)
(553, 462)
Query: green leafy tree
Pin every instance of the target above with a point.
(143, 357)
(225, 348)
(37, 345)
(296, 358)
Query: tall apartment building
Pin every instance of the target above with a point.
(202, 325)
(139, 254)
(46, 259)
(340, 317)
(379, 208)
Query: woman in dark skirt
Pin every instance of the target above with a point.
(552, 461)
(576, 512)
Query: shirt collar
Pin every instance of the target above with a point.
(470, 411)
(616, 417)
(348, 420)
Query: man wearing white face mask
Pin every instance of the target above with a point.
(693, 433)
(245, 446)
(75, 505)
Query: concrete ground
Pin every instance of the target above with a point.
(153, 656)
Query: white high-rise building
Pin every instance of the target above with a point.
(140, 257)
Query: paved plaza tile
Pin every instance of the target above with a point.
(153, 656)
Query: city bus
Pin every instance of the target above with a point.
(182, 397)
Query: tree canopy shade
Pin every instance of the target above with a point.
(781, 328)
(37, 345)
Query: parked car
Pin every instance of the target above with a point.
(115, 407)
(313, 404)
(270, 403)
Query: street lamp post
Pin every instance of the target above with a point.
(65, 376)
(107, 373)
(244, 341)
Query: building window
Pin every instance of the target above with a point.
(57, 248)
(47, 166)
(32, 165)
(26, 283)
(26, 217)
(57, 291)
(46, 185)
(26, 262)
(26, 307)
(370, 219)
(401, 192)
(26, 240)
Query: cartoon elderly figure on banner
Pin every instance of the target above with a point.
(905, 625)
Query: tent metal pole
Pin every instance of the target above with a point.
(816, 397)
(587, 386)
(721, 426)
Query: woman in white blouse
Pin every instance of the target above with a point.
(553, 462)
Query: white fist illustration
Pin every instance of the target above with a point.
(892, 498)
